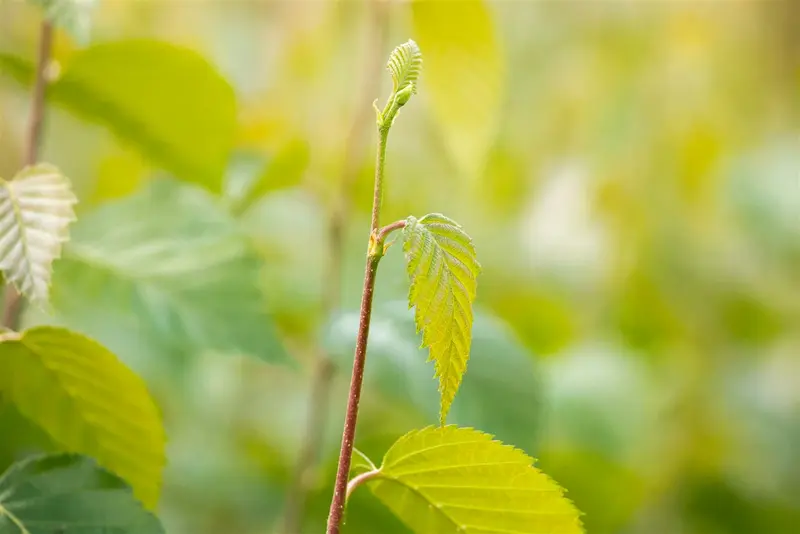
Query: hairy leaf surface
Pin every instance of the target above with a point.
(88, 401)
(69, 494)
(36, 208)
(72, 15)
(165, 270)
(450, 480)
(405, 65)
(443, 269)
(165, 100)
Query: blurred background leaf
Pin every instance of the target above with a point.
(166, 100)
(180, 279)
(71, 492)
(463, 76)
(88, 402)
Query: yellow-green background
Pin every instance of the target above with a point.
(630, 172)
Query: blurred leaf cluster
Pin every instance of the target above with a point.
(628, 172)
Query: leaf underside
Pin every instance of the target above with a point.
(88, 402)
(36, 209)
(72, 15)
(405, 65)
(448, 480)
(69, 494)
(443, 268)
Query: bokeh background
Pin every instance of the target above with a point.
(630, 172)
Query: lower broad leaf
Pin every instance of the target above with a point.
(87, 401)
(450, 480)
(69, 494)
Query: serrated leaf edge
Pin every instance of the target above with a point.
(482, 437)
(428, 222)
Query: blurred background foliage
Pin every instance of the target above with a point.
(630, 172)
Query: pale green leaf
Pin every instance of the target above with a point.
(69, 494)
(72, 15)
(165, 270)
(501, 394)
(88, 402)
(443, 268)
(405, 65)
(165, 100)
(36, 208)
(464, 75)
(450, 480)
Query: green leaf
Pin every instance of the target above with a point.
(169, 269)
(88, 401)
(458, 480)
(36, 208)
(405, 65)
(284, 170)
(165, 100)
(69, 494)
(500, 394)
(464, 76)
(72, 15)
(443, 269)
(360, 463)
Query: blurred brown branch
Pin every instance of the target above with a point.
(323, 369)
(12, 303)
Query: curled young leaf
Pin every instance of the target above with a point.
(405, 64)
(36, 208)
(443, 268)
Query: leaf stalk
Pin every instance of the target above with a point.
(361, 479)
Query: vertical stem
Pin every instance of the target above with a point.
(12, 302)
(351, 417)
(374, 254)
(377, 198)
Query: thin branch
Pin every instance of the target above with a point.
(323, 371)
(353, 399)
(12, 304)
(377, 199)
